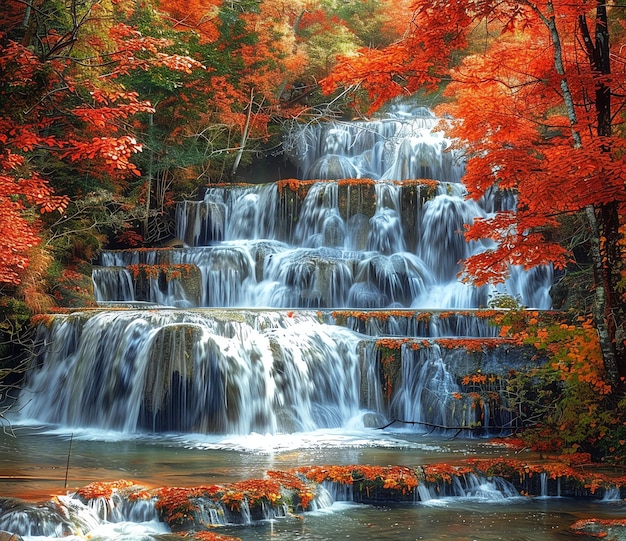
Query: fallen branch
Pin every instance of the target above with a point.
(444, 427)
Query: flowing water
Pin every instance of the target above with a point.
(256, 345)
(33, 465)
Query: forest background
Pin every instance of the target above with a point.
(111, 111)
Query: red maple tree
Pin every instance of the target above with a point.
(532, 100)
(60, 104)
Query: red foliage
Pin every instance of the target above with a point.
(509, 113)
(399, 478)
(196, 15)
(212, 536)
(103, 489)
(55, 108)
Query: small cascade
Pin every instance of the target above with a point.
(613, 494)
(265, 317)
(427, 391)
(469, 486)
(56, 518)
(404, 145)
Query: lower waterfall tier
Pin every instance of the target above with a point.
(239, 372)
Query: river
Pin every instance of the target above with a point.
(34, 465)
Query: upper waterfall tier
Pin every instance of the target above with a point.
(404, 145)
(392, 240)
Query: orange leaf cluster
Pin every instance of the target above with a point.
(596, 527)
(169, 271)
(212, 536)
(293, 482)
(295, 185)
(103, 489)
(356, 182)
(470, 344)
(437, 473)
(399, 478)
(176, 505)
(391, 343)
(253, 491)
(573, 349)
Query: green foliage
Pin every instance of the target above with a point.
(14, 319)
(89, 223)
(498, 300)
(367, 20)
(73, 289)
(564, 402)
(326, 38)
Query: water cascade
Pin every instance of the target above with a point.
(329, 302)
(247, 338)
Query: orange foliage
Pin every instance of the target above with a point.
(295, 185)
(101, 489)
(292, 482)
(195, 15)
(392, 343)
(356, 182)
(178, 508)
(436, 473)
(509, 113)
(470, 344)
(175, 502)
(169, 271)
(253, 491)
(398, 478)
(54, 110)
(596, 527)
(574, 349)
(212, 536)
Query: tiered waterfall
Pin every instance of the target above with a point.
(273, 313)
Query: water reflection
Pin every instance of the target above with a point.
(528, 520)
(34, 462)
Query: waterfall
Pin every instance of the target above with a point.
(194, 372)
(240, 328)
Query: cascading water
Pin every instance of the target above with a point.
(291, 324)
(245, 338)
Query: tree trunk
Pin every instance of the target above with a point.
(604, 221)
(146, 224)
(244, 135)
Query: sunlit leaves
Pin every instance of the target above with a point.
(110, 106)
(508, 115)
(507, 112)
(62, 109)
(18, 230)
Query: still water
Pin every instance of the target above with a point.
(34, 465)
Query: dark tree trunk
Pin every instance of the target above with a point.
(609, 309)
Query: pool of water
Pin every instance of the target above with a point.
(35, 461)
(38, 462)
(527, 520)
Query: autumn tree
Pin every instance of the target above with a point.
(532, 105)
(250, 55)
(66, 122)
